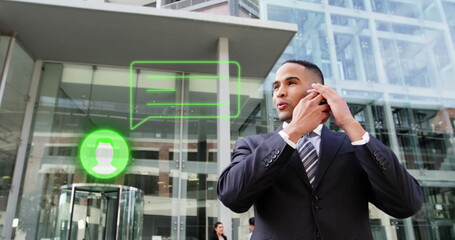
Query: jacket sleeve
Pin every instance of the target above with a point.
(255, 163)
(395, 191)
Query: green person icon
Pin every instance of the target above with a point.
(104, 154)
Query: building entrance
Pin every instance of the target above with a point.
(97, 211)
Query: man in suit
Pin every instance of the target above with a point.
(251, 227)
(351, 168)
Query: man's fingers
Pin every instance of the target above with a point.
(319, 99)
(311, 95)
(324, 90)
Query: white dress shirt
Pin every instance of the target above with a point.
(315, 137)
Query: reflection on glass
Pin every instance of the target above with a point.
(435, 220)
(369, 62)
(13, 93)
(356, 4)
(405, 9)
(425, 138)
(311, 42)
(345, 56)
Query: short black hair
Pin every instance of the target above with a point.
(309, 65)
(251, 221)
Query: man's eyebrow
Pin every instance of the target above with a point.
(292, 78)
(287, 79)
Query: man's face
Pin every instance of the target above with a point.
(291, 84)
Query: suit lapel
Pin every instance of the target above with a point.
(297, 165)
(329, 147)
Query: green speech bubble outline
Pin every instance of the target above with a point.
(132, 126)
(87, 152)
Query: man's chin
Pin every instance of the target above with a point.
(284, 118)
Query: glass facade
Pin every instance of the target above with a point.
(174, 160)
(393, 61)
(16, 68)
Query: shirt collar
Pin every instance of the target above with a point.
(317, 130)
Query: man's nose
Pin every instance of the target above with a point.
(281, 92)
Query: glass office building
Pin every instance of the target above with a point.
(393, 61)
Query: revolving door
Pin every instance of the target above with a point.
(99, 211)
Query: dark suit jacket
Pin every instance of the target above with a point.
(267, 172)
(214, 237)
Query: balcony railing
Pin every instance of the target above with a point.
(184, 4)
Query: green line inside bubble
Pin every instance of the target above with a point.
(186, 104)
(190, 76)
(161, 90)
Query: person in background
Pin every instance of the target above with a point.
(251, 222)
(307, 182)
(218, 232)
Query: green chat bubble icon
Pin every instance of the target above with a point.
(104, 154)
(184, 94)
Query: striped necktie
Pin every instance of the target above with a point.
(309, 157)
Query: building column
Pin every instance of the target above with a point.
(13, 197)
(159, 3)
(409, 229)
(234, 7)
(14, 189)
(224, 127)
